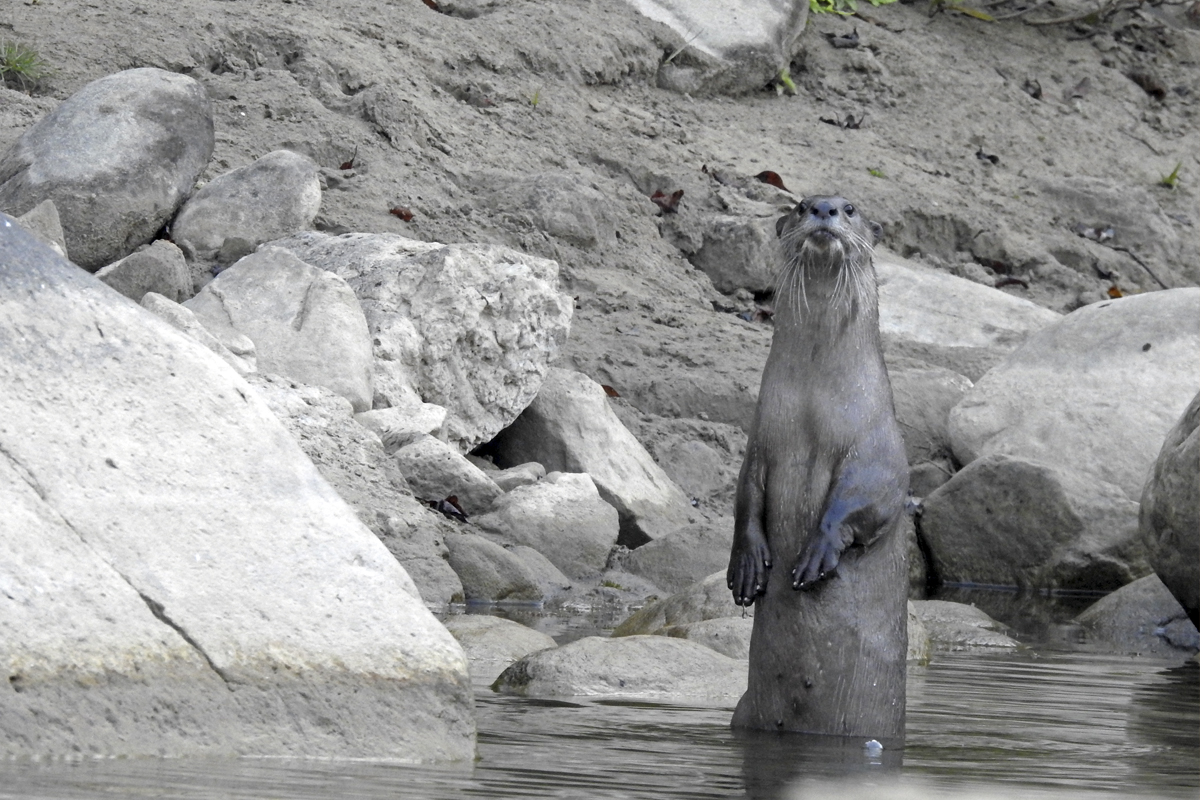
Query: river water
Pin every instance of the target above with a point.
(1042, 720)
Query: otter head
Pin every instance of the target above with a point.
(826, 238)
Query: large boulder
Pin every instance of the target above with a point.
(1006, 521)
(276, 196)
(489, 573)
(924, 395)
(956, 626)
(633, 666)
(493, 643)
(948, 321)
(679, 559)
(1142, 618)
(570, 427)
(1095, 392)
(244, 360)
(1169, 517)
(562, 517)
(470, 327)
(709, 598)
(355, 463)
(117, 158)
(158, 268)
(730, 46)
(435, 471)
(271, 621)
(305, 322)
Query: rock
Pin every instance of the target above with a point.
(684, 556)
(955, 626)
(182, 318)
(158, 268)
(706, 599)
(43, 222)
(727, 635)
(435, 471)
(920, 643)
(490, 573)
(731, 47)
(1169, 516)
(739, 253)
(562, 517)
(525, 474)
(470, 327)
(1007, 521)
(550, 579)
(1095, 392)
(305, 323)
(1141, 618)
(253, 574)
(352, 459)
(117, 158)
(492, 643)
(570, 427)
(947, 321)
(924, 396)
(401, 425)
(566, 206)
(632, 666)
(276, 196)
(698, 469)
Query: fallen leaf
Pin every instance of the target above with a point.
(771, 178)
(608, 390)
(402, 212)
(1114, 293)
(668, 203)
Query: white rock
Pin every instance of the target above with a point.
(520, 475)
(705, 599)
(955, 626)
(493, 643)
(158, 268)
(1095, 393)
(164, 465)
(400, 425)
(729, 636)
(570, 427)
(435, 471)
(632, 666)
(305, 323)
(470, 327)
(43, 222)
(562, 517)
(182, 318)
(490, 573)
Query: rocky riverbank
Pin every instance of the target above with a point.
(391, 309)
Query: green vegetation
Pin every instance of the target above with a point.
(1171, 180)
(535, 98)
(841, 7)
(876, 173)
(20, 66)
(784, 79)
(946, 5)
(612, 585)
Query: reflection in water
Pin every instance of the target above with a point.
(1079, 724)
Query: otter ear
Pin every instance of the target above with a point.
(779, 224)
(877, 230)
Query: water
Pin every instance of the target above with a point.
(1047, 719)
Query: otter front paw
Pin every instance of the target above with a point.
(747, 574)
(818, 561)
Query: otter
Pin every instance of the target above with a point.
(821, 493)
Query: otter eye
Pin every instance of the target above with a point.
(802, 207)
(849, 209)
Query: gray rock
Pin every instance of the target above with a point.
(948, 321)
(435, 471)
(470, 327)
(525, 474)
(277, 195)
(955, 626)
(632, 666)
(353, 460)
(43, 222)
(158, 268)
(739, 253)
(570, 427)
(698, 469)
(730, 47)
(920, 643)
(492, 643)
(117, 158)
(1169, 516)
(924, 396)
(729, 636)
(182, 318)
(684, 556)
(305, 323)
(401, 425)
(253, 574)
(562, 517)
(566, 206)
(1006, 521)
(705, 599)
(550, 579)
(1141, 618)
(1095, 392)
(489, 573)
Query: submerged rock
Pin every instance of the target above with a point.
(1143, 618)
(117, 158)
(955, 626)
(271, 621)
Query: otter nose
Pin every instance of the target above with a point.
(824, 210)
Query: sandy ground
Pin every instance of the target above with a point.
(540, 126)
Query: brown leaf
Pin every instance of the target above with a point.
(772, 178)
(433, 4)
(401, 212)
(669, 203)
(1114, 292)
(608, 390)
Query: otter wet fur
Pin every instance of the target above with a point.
(818, 542)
